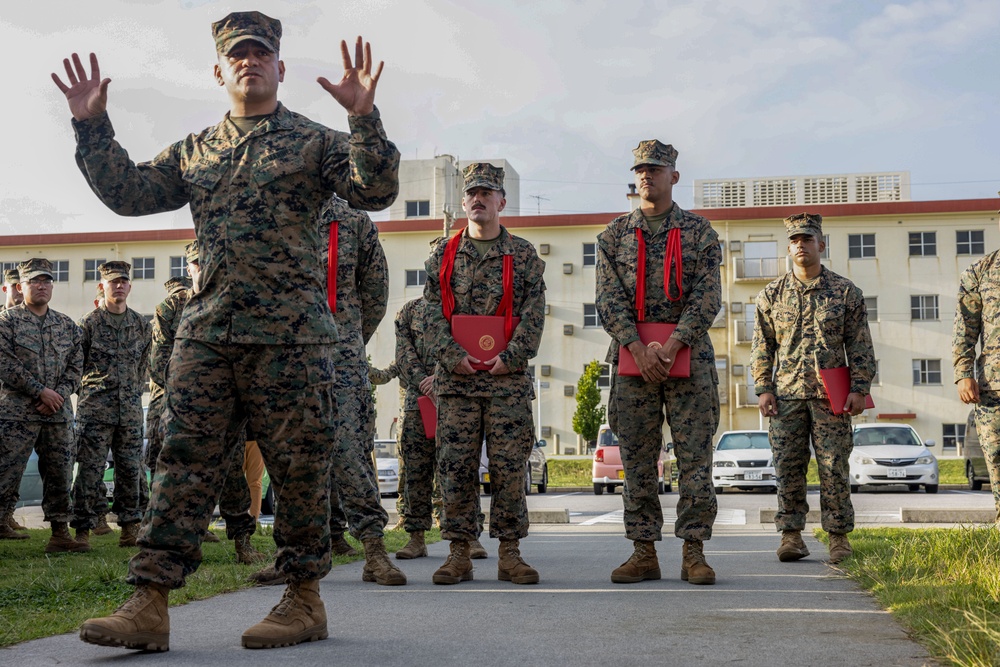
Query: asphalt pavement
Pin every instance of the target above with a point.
(760, 612)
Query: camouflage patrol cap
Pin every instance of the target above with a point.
(114, 270)
(653, 151)
(483, 175)
(191, 252)
(177, 284)
(242, 26)
(10, 277)
(804, 223)
(34, 267)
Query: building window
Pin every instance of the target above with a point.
(926, 371)
(923, 244)
(90, 272)
(860, 246)
(952, 436)
(590, 316)
(875, 378)
(7, 266)
(418, 209)
(143, 268)
(178, 267)
(924, 307)
(970, 242)
(589, 254)
(604, 380)
(415, 277)
(60, 270)
(871, 306)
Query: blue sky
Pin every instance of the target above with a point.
(563, 90)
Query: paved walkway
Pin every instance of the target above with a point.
(760, 612)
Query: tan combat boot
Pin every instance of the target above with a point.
(299, 617)
(141, 623)
(840, 547)
(792, 547)
(130, 531)
(476, 550)
(83, 536)
(341, 547)
(511, 567)
(267, 576)
(378, 567)
(62, 542)
(245, 552)
(641, 565)
(210, 537)
(457, 567)
(415, 548)
(8, 533)
(694, 569)
(12, 522)
(102, 526)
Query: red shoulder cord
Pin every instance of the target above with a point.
(506, 307)
(672, 255)
(331, 268)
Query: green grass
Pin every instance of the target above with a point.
(570, 472)
(950, 471)
(942, 584)
(43, 595)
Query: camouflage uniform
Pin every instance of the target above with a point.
(36, 353)
(259, 334)
(109, 412)
(362, 293)
(165, 321)
(636, 408)
(803, 328)
(977, 320)
(471, 407)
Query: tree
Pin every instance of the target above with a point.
(588, 417)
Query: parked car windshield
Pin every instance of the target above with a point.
(864, 437)
(743, 441)
(607, 438)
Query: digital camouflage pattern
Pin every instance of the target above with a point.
(637, 409)
(234, 501)
(478, 406)
(165, 320)
(976, 322)
(36, 353)
(804, 223)
(478, 287)
(255, 201)
(414, 361)
(806, 328)
(482, 175)
(801, 328)
(241, 26)
(287, 393)
(362, 279)
(109, 414)
(654, 152)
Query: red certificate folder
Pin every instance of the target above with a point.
(654, 334)
(428, 415)
(482, 336)
(837, 382)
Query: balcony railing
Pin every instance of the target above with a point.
(763, 269)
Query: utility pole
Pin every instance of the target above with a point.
(538, 200)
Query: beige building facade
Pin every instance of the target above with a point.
(906, 256)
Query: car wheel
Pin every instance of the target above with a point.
(931, 488)
(661, 489)
(527, 481)
(543, 486)
(668, 486)
(855, 488)
(970, 474)
(267, 502)
(486, 489)
(598, 489)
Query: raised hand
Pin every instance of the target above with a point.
(87, 97)
(356, 91)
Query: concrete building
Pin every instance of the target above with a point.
(906, 256)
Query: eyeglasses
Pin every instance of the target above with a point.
(40, 282)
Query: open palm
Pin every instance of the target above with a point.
(356, 90)
(87, 96)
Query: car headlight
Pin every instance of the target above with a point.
(864, 460)
(925, 460)
(724, 464)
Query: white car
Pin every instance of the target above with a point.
(742, 459)
(892, 454)
(387, 465)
